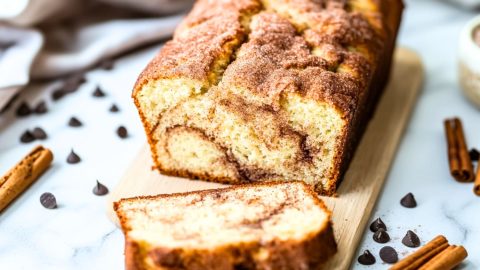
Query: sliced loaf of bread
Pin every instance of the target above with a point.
(267, 90)
(264, 226)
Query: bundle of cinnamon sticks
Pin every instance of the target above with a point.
(461, 166)
(438, 254)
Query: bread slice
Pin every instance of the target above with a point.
(264, 226)
(267, 90)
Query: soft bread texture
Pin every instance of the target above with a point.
(262, 226)
(271, 90)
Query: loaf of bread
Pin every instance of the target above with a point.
(274, 226)
(267, 90)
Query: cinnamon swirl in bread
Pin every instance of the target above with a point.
(265, 226)
(267, 90)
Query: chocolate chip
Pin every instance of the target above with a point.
(58, 94)
(122, 132)
(114, 108)
(100, 189)
(408, 201)
(73, 158)
(411, 240)
(381, 236)
(366, 258)
(388, 254)
(27, 137)
(74, 122)
(98, 92)
(39, 133)
(23, 110)
(48, 200)
(41, 108)
(377, 224)
(474, 154)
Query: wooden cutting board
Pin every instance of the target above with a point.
(362, 183)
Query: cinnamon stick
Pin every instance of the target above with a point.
(447, 259)
(461, 167)
(476, 185)
(435, 255)
(23, 174)
(422, 255)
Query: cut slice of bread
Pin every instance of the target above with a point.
(264, 226)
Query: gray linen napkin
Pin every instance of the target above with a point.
(45, 39)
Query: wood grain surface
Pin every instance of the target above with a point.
(363, 181)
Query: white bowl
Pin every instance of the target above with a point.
(469, 62)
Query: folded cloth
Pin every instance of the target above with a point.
(18, 48)
(466, 3)
(45, 39)
(6, 94)
(95, 42)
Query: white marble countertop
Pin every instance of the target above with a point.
(78, 234)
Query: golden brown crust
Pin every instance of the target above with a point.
(198, 42)
(205, 10)
(133, 258)
(390, 24)
(276, 60)
(181, 57)
(309, 253)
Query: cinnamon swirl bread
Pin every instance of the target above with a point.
(267, 90)
(265, 226)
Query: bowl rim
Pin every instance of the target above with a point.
(471, 26)
(469, 50)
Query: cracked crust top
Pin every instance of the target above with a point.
(199, 41)
(276, 60)
(344, 37)
(333, 55)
